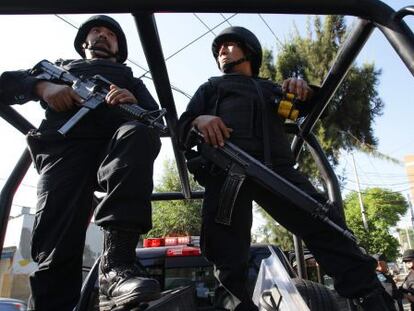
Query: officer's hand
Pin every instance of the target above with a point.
(59, 97)
(118, 96)
(213, 129)
(298, 87)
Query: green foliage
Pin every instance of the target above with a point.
(272, 232)
(348, 120)
(179, 217)
(383, 210)
(267, 70)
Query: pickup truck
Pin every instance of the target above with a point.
(187, 279)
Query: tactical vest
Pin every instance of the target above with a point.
(119, 74)
(239, 103)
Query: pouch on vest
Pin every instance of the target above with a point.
(197, 166)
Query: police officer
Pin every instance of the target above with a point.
(105, 151)
(408, 284)
(387, 281)
(238, 106)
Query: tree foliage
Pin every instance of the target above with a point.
(383, 210)
(179, 217)
(349, 117)
(347, 122)
(272, 232)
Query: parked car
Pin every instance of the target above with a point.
(11, 304)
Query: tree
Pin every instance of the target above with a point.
(348, 119)
(175, 218)
(383, 209)
(272, 232)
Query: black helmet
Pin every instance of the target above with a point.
(408, 255)
(248, 40)
(110, 23)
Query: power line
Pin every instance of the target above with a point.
(389, 175)
(367, 148)
(361, 203)
(66, 21)
(198, 38)
(146, 71)
(407, 143)
(372, 164)
(271, 30)
(392, 191)
(393, 177)
(201, 21)
(189, 44)
(379, 185)
(360, 170)
(225, 19)
(173, 87)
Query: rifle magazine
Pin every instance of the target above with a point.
(228, 196)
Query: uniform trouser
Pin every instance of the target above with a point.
(228, 246)
(71, 170)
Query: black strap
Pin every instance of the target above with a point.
(265, 126)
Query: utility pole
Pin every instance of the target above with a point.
(411, 210)
(408, 237)
(412, 220)
(361, 204)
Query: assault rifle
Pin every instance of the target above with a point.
(239, 165)
(93, 91)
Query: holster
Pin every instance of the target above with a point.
(202, 168)
(32, 139)
(197, 166)
(228, 195)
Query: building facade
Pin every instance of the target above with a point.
(16, 263)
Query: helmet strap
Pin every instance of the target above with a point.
(91, 47)
(228, 67)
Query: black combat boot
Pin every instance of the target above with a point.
(377, 300)
(120, 285)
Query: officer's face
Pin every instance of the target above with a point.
(229, 52)
(382, 266)
(101, 42)
(410, 264)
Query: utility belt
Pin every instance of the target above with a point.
(201, 168)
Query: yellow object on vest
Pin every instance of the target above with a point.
(287, 109)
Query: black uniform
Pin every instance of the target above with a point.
(237, 100)
(391, 288)
(409, 284)
(105, 152)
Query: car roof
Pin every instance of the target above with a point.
(12, 300)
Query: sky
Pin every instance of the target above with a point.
(30, 38)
